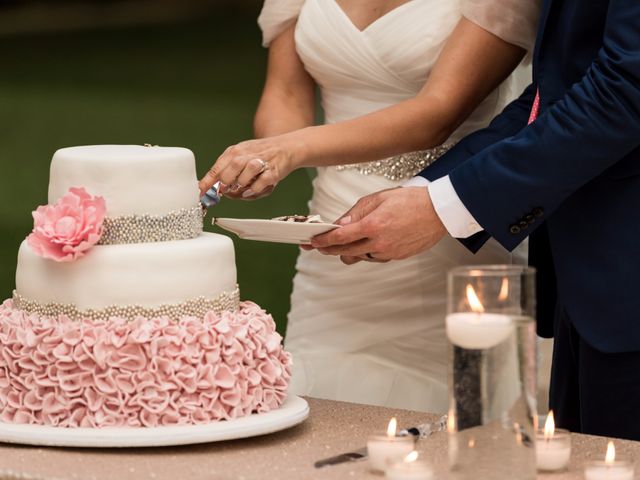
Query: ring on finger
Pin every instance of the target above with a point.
(263, 165)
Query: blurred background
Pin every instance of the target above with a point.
(178, 73)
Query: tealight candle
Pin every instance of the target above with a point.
(477, 330)
(386, 449)
(553, 446)
(410, 469)
(610, 469)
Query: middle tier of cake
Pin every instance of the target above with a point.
(146, 275)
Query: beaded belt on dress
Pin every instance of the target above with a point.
(400, 167)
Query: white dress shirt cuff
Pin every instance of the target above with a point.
(454, 215)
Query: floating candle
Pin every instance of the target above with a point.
(477, 330)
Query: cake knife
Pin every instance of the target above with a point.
(212, 196)
(421, 431)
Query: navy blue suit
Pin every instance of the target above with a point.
(571, 181)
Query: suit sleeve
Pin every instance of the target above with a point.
(511, 186)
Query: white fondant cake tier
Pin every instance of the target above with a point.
(132, 179)
(148, 275)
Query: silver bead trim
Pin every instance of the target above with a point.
(196, 307)
(400, 167)
(179, 225)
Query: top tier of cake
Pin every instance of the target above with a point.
(134, 180)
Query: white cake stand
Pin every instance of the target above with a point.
(295, 410)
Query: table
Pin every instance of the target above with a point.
(333, 427)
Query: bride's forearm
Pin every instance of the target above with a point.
(282, 123)
(406, 127)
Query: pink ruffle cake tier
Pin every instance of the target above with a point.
(142, 373)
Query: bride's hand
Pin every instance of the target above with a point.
(252, 169)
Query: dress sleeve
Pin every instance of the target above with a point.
(514, 21)
(276, 16)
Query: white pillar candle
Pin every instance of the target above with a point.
(610, 469)
(478, 331)
(553, 446)
(386, 449)
(409, 469)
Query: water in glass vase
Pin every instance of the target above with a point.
(492, 403)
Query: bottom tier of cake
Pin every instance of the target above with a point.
(142, 373)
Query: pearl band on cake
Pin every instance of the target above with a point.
(197, 307)
(400, 167)
(183, 224)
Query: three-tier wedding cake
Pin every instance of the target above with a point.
(125, 313)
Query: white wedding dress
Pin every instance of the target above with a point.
(374, 333)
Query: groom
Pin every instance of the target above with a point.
(560, 165)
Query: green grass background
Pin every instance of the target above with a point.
(193, 84)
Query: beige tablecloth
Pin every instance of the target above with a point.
(332, 428)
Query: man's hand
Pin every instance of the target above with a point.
(389, 225)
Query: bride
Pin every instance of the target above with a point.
(400, 82)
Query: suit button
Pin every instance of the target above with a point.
(538, 212)
(514, 229)
(530, 219)
(523, 224)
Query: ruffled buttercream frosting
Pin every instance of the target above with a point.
(142, 373)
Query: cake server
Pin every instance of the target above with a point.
(212, 196)
(421, 431)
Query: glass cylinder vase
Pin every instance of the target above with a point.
(492, 372)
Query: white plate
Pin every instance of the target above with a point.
(295, 410)
(274, 230)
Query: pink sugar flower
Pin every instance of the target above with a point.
(65, 230)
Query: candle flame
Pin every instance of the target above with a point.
(473, 300)
(549, 426)
(412, 457)
(392, 428)
(610, 457)
(504, 290)
(451, 422)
